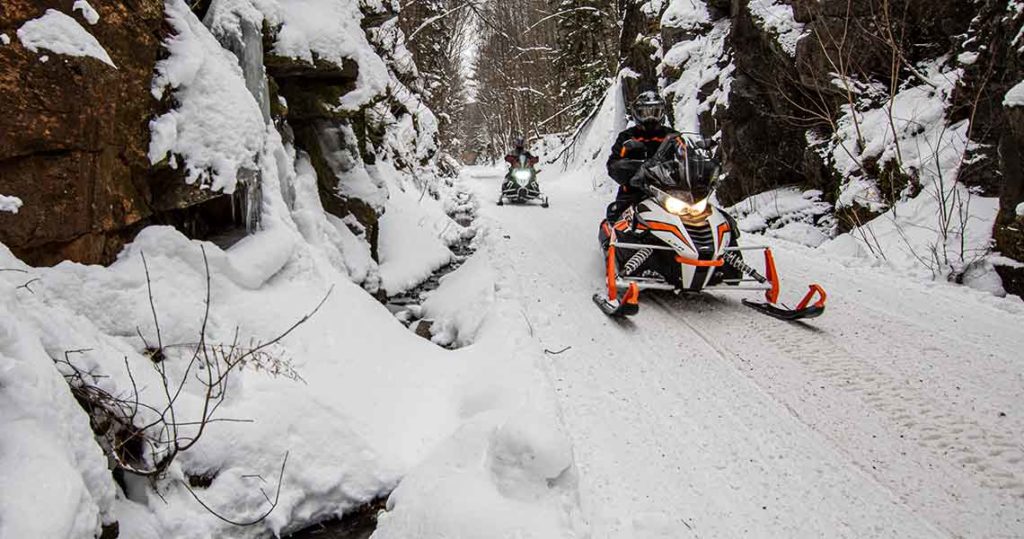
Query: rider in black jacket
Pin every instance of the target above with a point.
(635, 145)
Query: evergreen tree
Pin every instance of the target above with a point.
(587, 52)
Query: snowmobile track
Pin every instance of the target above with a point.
(991, 458)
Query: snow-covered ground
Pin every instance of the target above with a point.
(472, 438)
(895, 414)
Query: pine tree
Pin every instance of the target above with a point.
(587, 52)
(436, 34)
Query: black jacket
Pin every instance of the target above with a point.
(621, 166)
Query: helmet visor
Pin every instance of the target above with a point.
(646, 112)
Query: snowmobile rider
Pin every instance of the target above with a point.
(520, 149)
(634, 146)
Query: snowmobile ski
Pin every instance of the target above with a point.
(803, 311)
(628, 305)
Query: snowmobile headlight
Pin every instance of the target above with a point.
(674, 205)
(699, 207)
(522, 175)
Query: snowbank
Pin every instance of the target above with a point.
(415, 233)
(59, 33)
(509, 470)
(925, 145)
(459, 306)
(787, 213)
(49, 458)
(376, 403)
(216, 127)
(944, 231)
(588, 152)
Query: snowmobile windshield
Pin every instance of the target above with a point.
(685, 169)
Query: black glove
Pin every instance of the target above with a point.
(634, 149)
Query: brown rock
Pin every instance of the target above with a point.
(76, 135)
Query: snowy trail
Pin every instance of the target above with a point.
(898, 413)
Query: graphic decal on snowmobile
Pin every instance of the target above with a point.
(675, 240)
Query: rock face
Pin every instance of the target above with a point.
(639, 44)
(75, 134)
(997, 163)
(319, 129)
(771, 93)
(761, 148)
(76, 131)
(1009, 229)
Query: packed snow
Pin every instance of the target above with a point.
(216, 127)
(59, 33)
(5, 39)
(10, 204)
(88, 12)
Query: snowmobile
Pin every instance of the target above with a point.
(675, 240)
(520, 185)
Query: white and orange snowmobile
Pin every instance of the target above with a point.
(673, 239)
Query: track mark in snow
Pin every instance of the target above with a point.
(992, 458)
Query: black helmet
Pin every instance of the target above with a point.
(518, 143)
(649, 108)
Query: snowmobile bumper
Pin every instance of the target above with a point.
(812, 304)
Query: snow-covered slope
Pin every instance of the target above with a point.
(344, 406)
(375, 403)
